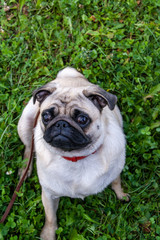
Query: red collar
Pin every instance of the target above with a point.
(75, 159)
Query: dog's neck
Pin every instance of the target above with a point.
(75, 159)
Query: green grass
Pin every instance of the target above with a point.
(115, 44)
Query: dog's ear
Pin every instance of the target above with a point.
(42, 93)
(100, 97)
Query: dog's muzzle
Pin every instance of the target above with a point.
(62, 134)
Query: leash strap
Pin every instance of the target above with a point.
(23, 177)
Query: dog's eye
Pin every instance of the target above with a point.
(46, 117)
(82, 120)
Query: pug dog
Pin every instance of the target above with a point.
(78, 141)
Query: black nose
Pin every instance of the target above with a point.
(61, 124)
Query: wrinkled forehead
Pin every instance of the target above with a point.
(69, 97)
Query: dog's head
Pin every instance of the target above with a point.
(71, 110)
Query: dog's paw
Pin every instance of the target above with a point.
(116, 186)
(48, 233)
(123, 196)
(22, 170)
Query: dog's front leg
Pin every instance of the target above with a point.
(116, 186)
(50, 207)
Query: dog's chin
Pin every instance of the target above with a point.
(65, 144)
(70, 151)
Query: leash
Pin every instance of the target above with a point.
(23, 176)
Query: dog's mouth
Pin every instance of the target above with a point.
(66, 137)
